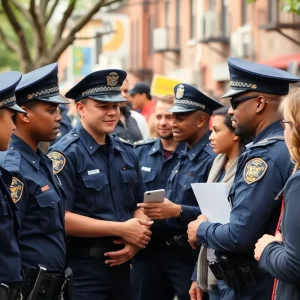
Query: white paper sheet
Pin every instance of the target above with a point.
(213, 201)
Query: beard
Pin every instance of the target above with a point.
(243, 131)
(167, 137)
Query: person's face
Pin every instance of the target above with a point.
(163, 120)
(243, 114)
(222, 138)
(137, 101)
(8, 126)
(124, 90)
(44, 121)
(185, 126)
(100, 116)
(287, 125)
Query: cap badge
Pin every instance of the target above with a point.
(112, 79)
(180, 91)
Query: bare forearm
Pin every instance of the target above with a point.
(82, 226)
(138, 213)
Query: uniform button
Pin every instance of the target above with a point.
(12, 148)
(176, 171)
(185, 185)
(118, 148)
(33, 162)
(91, 147)
(124, 168)
(170, 191)
(193, 154)
(97, 186)
(75, 134)
(153, 149)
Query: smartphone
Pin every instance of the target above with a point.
(155, 196)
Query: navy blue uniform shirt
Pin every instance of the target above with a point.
(262, 172)
(103, 183)
(40, 205)
(193, 167)
(10, 259)
(156, 169)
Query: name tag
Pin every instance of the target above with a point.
(146, 169)
(93, 172)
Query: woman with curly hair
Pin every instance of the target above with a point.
(280, 254)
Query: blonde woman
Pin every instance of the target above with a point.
(280, 254)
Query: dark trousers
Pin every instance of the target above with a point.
(263, 290)
(160, 271)
(94, 280)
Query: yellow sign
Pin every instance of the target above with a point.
(162, 85)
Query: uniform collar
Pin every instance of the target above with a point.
(27, 152)
(89, 142)
(273, 129)
(156, 147)
(202, 142)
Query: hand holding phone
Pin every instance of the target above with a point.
(155, 196)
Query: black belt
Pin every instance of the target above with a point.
(92, 247)
(9, 292)
(52, 285)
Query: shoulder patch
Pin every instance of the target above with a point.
(254, 170)
(58, 161)
(16, 189)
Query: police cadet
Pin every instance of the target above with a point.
(255, 94)
(10, 259)
(171, 255)
(103, 184)
(157, 158)
(34, 190)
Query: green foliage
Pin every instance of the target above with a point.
(291, 6)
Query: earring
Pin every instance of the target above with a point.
(235, 138)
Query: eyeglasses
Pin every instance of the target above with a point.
(235, 101)
(283, 122)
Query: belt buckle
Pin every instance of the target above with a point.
(4, 291)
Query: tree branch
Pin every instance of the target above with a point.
(23, 11)
(32, 7)
(63, 22)
(8, 42)
(43, 8)
(52, 9)
(23, 46)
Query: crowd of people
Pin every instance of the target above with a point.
(74, 224)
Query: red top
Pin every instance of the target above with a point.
(148, 110)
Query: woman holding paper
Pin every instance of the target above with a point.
(279, 255)
(229, 146)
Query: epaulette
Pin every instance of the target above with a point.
(118, 139)
(144, 142)
(267, 141)
(65, 142)
(11, 160)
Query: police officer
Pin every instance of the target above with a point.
(255, 94)
(34, 189)
(157, 158)
(103, 184)
(171, 254)
(10, 259)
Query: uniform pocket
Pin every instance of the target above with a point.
(50, 217)
(149, 176)
(95, 189)
(129, 179)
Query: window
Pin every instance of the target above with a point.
(192, 18)
(244, 12)
(150, 35)
(137, 40)
(98, 41)
(177, 37)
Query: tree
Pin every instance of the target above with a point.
(30, 22)
(292, 6)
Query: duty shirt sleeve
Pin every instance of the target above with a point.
(64, 167)
(253, 204)
(282, 260)
(140, 187)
